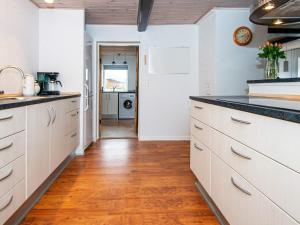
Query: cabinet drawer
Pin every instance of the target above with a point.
(12, 121)
(240, 202)
(201, 111)
(72, 141)
(12, 148)
(200, 163)
(274, 138)
(72, 104)
(11, 174)
(11, 201)
(270, 177)
(72, 121)
(201, 132)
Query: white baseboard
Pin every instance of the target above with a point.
(164, 138)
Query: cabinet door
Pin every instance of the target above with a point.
(58, 150)
(113, 104)
(104, 103)
(38, 143)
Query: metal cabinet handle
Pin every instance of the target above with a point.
(198, 107)
(240, 121)
(7, 146)
(240, 188)
(197, 127)
(6, 174)
(74, 114)
(74, 135)
(73, 101)
(196, 146)
(54, 114)
(6, 117)
(240, 154)
(5, 205)
(49, 117)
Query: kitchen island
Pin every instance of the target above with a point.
(245, 156)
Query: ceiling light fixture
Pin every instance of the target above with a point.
(278, 22)
(49, 1)
(269, 6)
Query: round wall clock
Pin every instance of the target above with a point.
(242, 36)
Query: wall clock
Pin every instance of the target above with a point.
(242, 36)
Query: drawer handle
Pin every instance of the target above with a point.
(198, 107)
(240, 188)
(73, 101)
(74, 114)
(240, 121)
(197, 127)
(7, 146)
(7, 174)
(5, 205)
(6, 118)
(240, 154)
(73, 135)
(196, 146)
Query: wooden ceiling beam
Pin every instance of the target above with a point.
(145, 8)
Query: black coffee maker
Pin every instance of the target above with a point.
(49, 83)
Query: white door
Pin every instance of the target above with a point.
(88, 95)
(38, 144)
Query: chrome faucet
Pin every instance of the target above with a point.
(12, 67)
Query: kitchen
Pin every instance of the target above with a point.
(240, 151)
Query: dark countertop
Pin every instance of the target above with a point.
(282, 109)
(278, 80)
(24, 101)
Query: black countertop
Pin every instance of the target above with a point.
(24, 101)
(271, 107)
(278, 80)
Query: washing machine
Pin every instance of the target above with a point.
(126, 105)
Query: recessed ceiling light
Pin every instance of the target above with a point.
(49, 1)
(278, 22)
(269, 7)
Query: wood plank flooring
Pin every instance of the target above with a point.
(125, 182)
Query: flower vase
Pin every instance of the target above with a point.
(272, 69)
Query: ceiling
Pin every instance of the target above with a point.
(125, 11)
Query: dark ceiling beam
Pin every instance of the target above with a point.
(145, 8)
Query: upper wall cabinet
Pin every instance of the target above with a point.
(169, 60)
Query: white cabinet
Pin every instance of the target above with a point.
(38, 145)
(251, 174)
(239, 201)
(57, 134)
(200, 162)
(53, 133)
(110, 103)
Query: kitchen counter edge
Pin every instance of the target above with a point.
(277, 113)
(33, 101)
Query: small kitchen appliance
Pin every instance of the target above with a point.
(49, 83)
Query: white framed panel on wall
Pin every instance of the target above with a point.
(171, 60)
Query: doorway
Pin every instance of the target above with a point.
(118, 91)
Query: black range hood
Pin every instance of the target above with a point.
(280, 13)
(281, 16)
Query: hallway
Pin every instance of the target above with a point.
(125, 182)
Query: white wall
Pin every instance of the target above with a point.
(18, 41)
(131, 62)
(164, 99)
(228, 66)
(61, 39)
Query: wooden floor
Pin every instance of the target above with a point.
(125, 182)
(113, 128)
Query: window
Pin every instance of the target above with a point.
(115, 78)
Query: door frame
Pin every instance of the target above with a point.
(98, 82)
